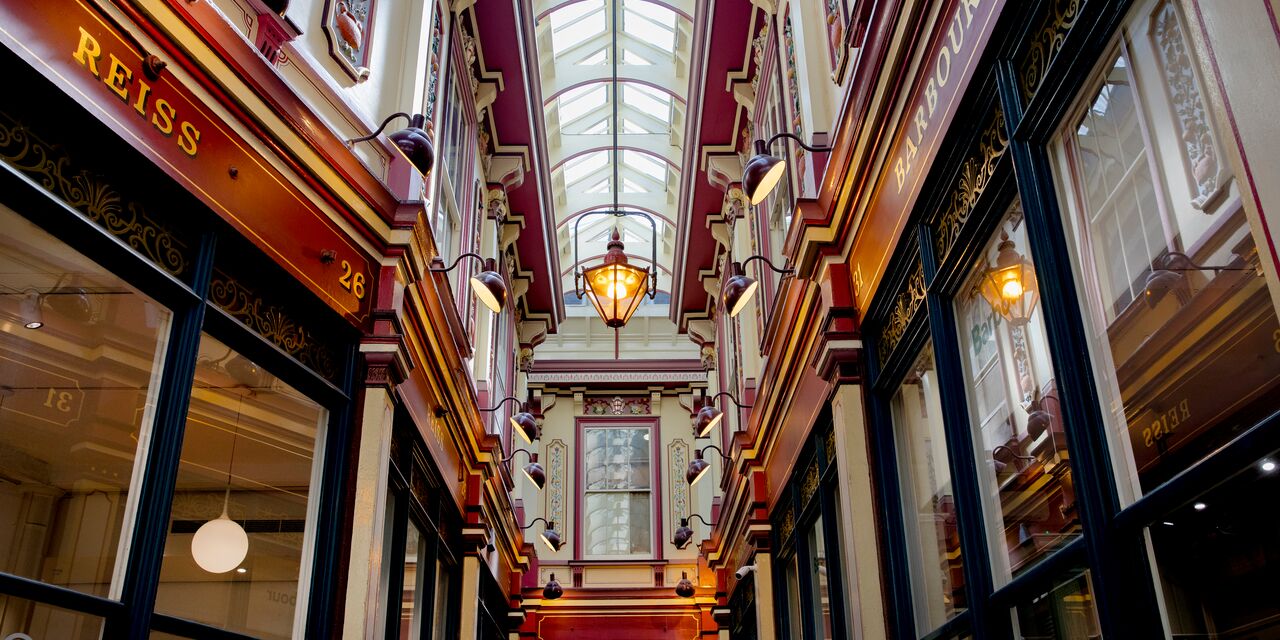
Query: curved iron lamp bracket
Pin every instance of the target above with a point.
(500, 402)
(455, 263)
(798, 141)
(732, 399)
(700, 519)
(382, 126)
(617, 213)
(726, 459)
(513, 454)
(535, 521)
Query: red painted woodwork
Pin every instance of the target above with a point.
(101, 68)
(640, 625)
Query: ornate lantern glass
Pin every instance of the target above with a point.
(1010, 285)
(616, 287)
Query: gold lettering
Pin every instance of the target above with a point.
(969, 5)
(162, 120)
(1185, 408)
(955, 33)
(188, 138)
(118, 76)
(140, 105)
(922, 124)
(931, 95)
(943, 71)
(1276, 335)
(900, 172)
(88, 52)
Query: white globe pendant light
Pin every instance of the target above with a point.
(221, 544)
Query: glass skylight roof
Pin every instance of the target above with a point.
(576, 57)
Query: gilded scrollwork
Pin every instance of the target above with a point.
(271, 322)
(810, 484)
(1057, 23)
(97, 200)
(975, 175)
(788, 524)
(904, 309)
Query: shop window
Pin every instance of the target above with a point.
(1023, 464)
(795, 614)
(1167, 262)
(933, 540)
(243, 516)
(22, 619)
(412, 589)
(1065, 611)
(617, 483)
(820, 591)
(81, 354)
(1217, 555)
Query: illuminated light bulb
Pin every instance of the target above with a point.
(219, 545)
(1268, 466)
(1012, 289)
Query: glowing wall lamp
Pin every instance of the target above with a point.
(549, 535)
(739, 288)
(684, 533)
(699, 466)
(1010, 286)
(764, 171)
(708, 416)
(615, 287)
(534, 471)
(412, 141)
(523, 422)
(488, 286)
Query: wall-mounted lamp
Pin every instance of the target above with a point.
(684, 533)
(31, 309)
(1010, 286)
(684, 588)
(412, 141)
(709, 416)
(522, 422)
(698, 467)
(553, 589)
(739, 288)
(488, 287)
(1165, 276)
(533, 470)
(764, 171)
(549, 535)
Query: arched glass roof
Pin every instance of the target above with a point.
(640, 161)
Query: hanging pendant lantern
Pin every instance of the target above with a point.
(616, 287)
(1010, 285)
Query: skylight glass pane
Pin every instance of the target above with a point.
(584, 165)
(631, 126)
(630, 186)
(599, 57)
(651, 24)
(633, 58)
(599, 128)
(574, 24)
(580, 101)
(645, 164)
(599, 187)
(648, 101)
(655, 12)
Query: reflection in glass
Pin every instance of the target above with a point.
(795, 617)
(617, 513)
(933, 540)
(80, 360)
(1217, 558)
(1066, 612)
(1166, 264)
(39, 621)
(249, 448)
(1023, 465)
(410, 611)
(820, 599)
(443, 606)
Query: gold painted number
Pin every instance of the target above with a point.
(352, 281)
(59, 400)
(1276, 336)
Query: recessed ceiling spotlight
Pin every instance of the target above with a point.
(1268, 466)
(241, 570)
(1167, 523)
(1199, 506)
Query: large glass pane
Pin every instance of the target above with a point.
(242, 514)
(80, 364)
(795, 616)
(820, 598)
(1065, 612)
(617, 513)
(928, 502)
(1217, 556)
(444, 603)
(1174, 297)
(1014, 405)
(412, 586)
(26, 620)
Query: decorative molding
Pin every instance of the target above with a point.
(904, 309)
(617, 406)
(557, 485)
(1057, 23)
(837, 19)
(810, 484)
(97, 200)
(975, 175)
(831, 446)
(788, 524)
(348, 25)
(678, 453)
(433, 66)
(273, 323)
(793, 93)
(620, 376)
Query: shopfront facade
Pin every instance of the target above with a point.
(1071, 348)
